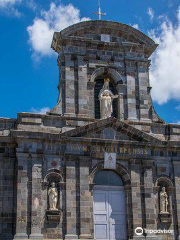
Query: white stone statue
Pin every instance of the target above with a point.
(106, 98)
(163, 201)
(53, 197)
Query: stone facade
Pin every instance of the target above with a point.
(68, 144)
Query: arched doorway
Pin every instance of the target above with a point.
(109, 206)
(99, 82)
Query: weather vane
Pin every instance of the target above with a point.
(99, 13)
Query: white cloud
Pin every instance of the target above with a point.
(135, 25)
(40, 110)
(150, 12)
(31, 4)
(7, 7)
(5, 3)
(165, 70)
(55, 19)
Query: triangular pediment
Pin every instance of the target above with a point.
(110, 129)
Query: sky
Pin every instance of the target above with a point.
(28, 66)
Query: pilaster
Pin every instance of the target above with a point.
(82, 88)
(176, 166)
(71, 203)
(149, 198)
(136, 194)
(86, 201)
(144, 97)
(22, 196)
(131, 98)
(36, 209)
(69, 87)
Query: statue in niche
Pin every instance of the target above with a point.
(53, 197)
(106, 98)
(163, 201)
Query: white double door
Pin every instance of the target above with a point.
(109, 213)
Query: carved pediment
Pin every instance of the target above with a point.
(110, 129)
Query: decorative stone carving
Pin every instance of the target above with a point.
(163, 201)
(106, 98)
(53, 197)
(110, 160)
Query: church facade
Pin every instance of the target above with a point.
(101, 164)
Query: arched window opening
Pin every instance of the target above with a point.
(107, 178)
(98, 86)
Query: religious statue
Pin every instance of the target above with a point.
(163, 201)
(53, 197)
(106, 98)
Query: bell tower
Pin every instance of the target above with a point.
(93, 50)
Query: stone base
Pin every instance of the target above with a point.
(85, 236)
(71, 236)
(36, 236)
(131, 119)
(165, 217)
(53, 215)
(21, 236)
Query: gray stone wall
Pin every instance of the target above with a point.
(7, 189)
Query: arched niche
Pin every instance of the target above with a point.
(164, 181)
(106, 71)
(97, 79)
(53, 175)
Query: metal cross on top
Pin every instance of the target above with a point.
(100, 13)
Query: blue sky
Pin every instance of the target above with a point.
(28, 67)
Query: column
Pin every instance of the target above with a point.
(150, 199)
(36, 210)
(176, 166)
(131, 98)
(69, 87)
(86, 201)
(144, 97)
(83, 98)
(71, 204)
(22, 196)
(129, 212)
(136, 195)
(121, 107)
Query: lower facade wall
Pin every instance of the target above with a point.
(24, 200)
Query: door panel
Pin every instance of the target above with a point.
(101, 223)
(117, 215)
(101, 231)
(109, 214)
